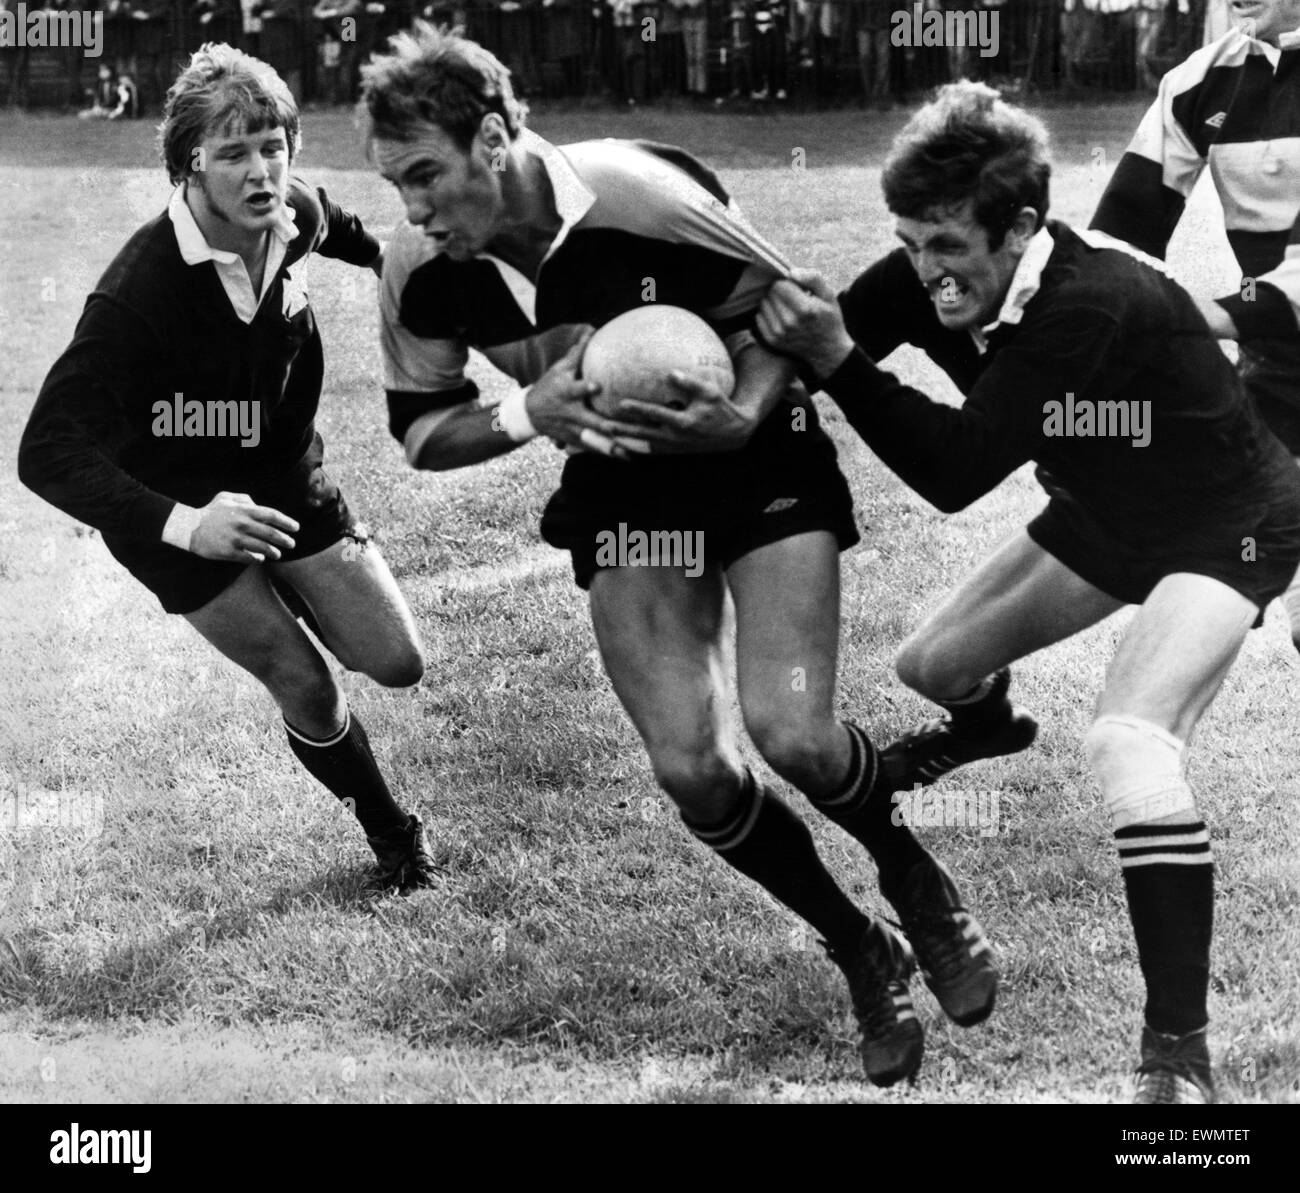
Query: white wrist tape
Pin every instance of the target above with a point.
(513, 416)
(180, 526)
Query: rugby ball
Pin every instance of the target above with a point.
(633, 354)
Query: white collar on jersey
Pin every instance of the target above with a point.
(573, 199)
(1285, 41)
(1025, 283)
(230, 267)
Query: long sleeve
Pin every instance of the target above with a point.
(1145, 197)
(1271, 307)
(953, 455)
(883, 304)
(345, 237)
(81, 421)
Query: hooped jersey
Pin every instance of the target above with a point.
(640, 222)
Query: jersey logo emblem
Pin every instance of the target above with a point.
(1216, 121)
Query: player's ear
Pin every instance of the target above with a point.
(1023, 227)
(493, 131)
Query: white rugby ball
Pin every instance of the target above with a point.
(633, 354)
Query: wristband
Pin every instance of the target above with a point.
(180, 526)
(513, 417)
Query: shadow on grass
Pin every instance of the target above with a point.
(145, 976)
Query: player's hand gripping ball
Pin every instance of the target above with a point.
(633, 355)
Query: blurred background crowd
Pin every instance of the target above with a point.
(742, 53)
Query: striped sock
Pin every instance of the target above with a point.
(346, 765)
(767, 842)
(865, 810)
(1169, 879)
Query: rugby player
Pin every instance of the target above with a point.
(1194, 514)
(515, 247)
(1232, 105)
(180, 423)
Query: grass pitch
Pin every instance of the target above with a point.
(182, 913)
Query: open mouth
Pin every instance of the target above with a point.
(261, 201)
(947, 293)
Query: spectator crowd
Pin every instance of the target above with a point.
(716, 52)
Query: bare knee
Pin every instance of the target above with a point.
(699, 780)
(401, 669)
(305, 690)
(801, 752)
(927, 665)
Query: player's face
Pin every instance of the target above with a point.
(454, 196)
(239, 190)
(1266, 19)
(966, 281)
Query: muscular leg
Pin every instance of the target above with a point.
(360, 610)
(659, 633)
(787, 646)
(787, 642)
(1018, 601)
(1166, 672)
(250, 625)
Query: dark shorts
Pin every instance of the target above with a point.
(784, 482)
(1270, 370)
(184, 583)
(1129, 572)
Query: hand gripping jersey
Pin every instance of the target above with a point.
(1108, 379)
(636, 228)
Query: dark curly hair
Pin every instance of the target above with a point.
(969, 144)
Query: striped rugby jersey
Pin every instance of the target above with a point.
(1234, 105)
(633, 229)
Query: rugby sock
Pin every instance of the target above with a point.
(346, 765)
(766, 841)
(1169, 879)
(865, 810)
(983, 708)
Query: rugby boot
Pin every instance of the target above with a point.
(955, 957)
(404, 862)
(966, 734)
(877, 969)
(1175, 1070)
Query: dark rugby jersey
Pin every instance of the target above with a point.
(155, 327)
(1234, 105)
(1102, 327)
(632, 231)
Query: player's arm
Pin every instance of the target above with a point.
(1148, 191)
(1265, 307)
(90, 408)
(442, 422)
(342, 235)
(950, 455)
